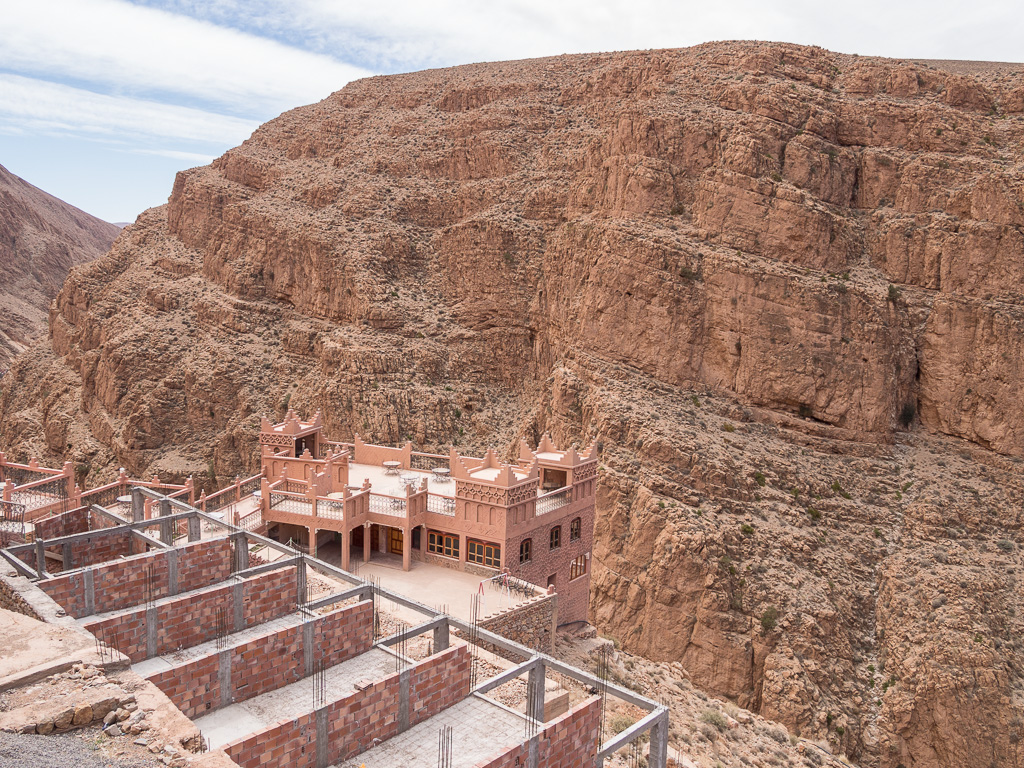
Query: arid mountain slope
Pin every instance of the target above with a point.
(41, 238)
(781, 287)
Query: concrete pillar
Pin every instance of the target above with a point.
(166, 527)
(535, 707)
(346, 545)
(194, 532)
(301, 595)
(311, 538)
(462, 550)
(441, 637)
(40, 558)
(367, 530)
(406, 549)
(138, 505)
(658, 756)
(241, 547)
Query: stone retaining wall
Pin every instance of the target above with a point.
(531, 624)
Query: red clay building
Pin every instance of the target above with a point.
(533, 518)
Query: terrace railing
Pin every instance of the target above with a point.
(428, 461)
(23, 474)
(552, 500)
(330, 445)
(12, 523)
(441, 505)
(383, 504)
(291, 502)
(43, 497)
(105, 496)
(252, 521)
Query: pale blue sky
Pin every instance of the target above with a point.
(102, 101)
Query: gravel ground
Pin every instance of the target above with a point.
(64, 751)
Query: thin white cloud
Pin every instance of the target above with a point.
(36, 106)
(146, 51)
(189, 157)
(411, 34)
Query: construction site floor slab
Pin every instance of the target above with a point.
(259, 713)
(480, 729)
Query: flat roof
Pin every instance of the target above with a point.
(489, 473)
(391, 484)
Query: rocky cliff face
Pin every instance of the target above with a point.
(781, 287)
(41, 238)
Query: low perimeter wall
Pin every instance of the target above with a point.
(348, 727)
(191, 619)
(568, 742)
(532, 624)
(122, 583)
(268, 662)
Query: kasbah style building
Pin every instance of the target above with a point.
(532, 519)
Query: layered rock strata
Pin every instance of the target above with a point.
(781, 286)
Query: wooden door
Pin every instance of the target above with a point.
(395, 541)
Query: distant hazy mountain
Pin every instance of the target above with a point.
(41, 238)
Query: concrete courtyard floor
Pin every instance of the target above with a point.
(432, 585)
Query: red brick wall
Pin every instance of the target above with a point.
(203, 562)
(194, 687)
(434, 684)
(121, 584)
(568, 742)
(288, 744)
(275, 596)
(125, 632)
(192, 619)
(356, 720)
(68, 592)
(66, 524)
(99, 548)
(573, 596)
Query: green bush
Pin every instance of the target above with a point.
(747, 529)
(715, 718)
(619, 723)
(760, 479)
(770, 618)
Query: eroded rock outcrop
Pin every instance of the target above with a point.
(746, 269)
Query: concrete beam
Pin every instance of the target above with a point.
(363, 592)
(656, 720)
(156, 543)
(508, 674)
(419, 629)
(256, 570)
(18, 565)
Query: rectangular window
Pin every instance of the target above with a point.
(446, 544)
(574, 529)
(578, 567)
(556, 537)
(482, 553)
(526, 551)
